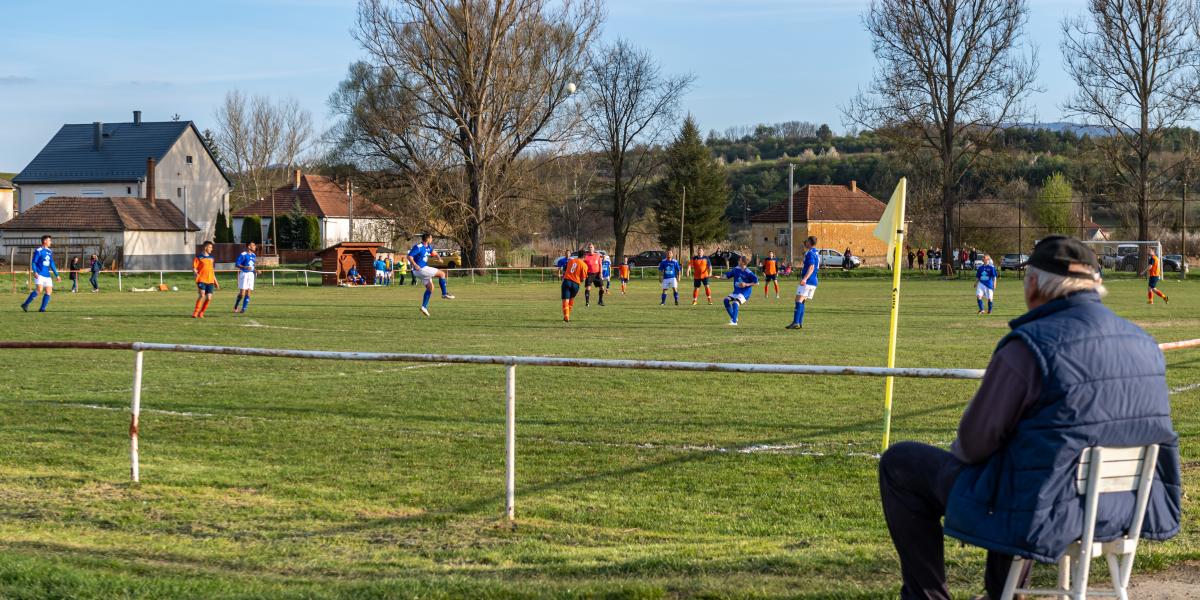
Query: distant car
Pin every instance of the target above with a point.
(1011, 262)
(1130, 264)
(649, 258)
(445, 259)
(724, 259)
(1173, 262)
(832, 259)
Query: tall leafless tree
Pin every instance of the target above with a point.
(481, 84)
(951, 73)
(630, 107)
(1135, 64)
(259, 140)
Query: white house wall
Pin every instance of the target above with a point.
(158, 250)
(7, 209)
(207, 191)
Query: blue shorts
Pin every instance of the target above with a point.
(771, 277)
(624, 280)
(207, 288)
(570, 289)
(696, 283)
(1153, 282)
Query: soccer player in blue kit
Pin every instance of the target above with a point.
(808, 281)
(43, 266)
(245, 277)
(744, 281)
(668, 274)
(418, 257)
(985, 283)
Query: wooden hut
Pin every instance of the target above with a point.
(337, 259)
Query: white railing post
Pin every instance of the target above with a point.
(135, 410)
(272, 277)
(497, 275)
(306, 278)
(510, 442)
(160, 278)
(120, 287)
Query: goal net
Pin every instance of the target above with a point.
(1128, 256)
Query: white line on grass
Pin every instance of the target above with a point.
(1185, 388)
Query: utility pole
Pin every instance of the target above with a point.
(350, 199)
(682, 213)
(1187, 169)
(791, 217)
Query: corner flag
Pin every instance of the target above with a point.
(891, 230)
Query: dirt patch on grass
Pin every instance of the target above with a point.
(1181, 582)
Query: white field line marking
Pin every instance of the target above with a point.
(253, 323)
(1185, 388)
(145, 410)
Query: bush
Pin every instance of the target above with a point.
(252, 230)
(282, 226)
(223, 233)
(312, 232)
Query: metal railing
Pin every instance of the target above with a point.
(510, 367)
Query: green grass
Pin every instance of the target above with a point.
(274, 478)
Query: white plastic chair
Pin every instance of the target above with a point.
(1101, 470)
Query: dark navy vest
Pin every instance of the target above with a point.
(1103, 384)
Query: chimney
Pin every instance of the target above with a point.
(296, 184)
(97, 135)
(150, 183)
(137, 118)
(853, 185)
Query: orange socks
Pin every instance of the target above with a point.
(566, 310)
(199, 303)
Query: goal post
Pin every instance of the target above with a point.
(1127, 255)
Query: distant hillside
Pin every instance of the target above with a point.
(8, 176)
(1064, 127)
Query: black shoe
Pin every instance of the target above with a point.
(25, 307)
(794, 326)
(601, 303)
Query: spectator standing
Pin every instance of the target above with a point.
(1051, 389)
(920, 258)
(911, 257)
(75, 266)
(95, 266)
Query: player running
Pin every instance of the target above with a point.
(985, 283)
(668, 275)
(43, 266)
(623, 274)
(606, 272)
(1154, 269)
(206, 279)
(700, 267)
(744, 281)
(574, 274)
(770, 267)
(592, 259)
(245, 265)
(418, 257)
(561, 263)
(808, 281)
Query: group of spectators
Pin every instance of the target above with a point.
(931, 258)
(95, 265)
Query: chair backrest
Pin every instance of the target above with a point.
(1103, 470)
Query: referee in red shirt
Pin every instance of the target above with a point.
(592, 259)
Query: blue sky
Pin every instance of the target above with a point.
(78, 61)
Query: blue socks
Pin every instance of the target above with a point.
(245, 302)
(798, 314)
(45, 301)
(442, 282)
(428, 293)
(33, 295)
(731, 307)
(989, 306)
(979, 301)
(664, 298)
(676, 292)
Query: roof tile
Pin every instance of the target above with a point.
(319, 196)
(64, 213)
(839, 203)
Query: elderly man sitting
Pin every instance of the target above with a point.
(1070, 375)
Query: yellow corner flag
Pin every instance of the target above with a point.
(891, 230)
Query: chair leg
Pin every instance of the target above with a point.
(1064, 576)
(1083, 566)
(1117, 574)
(1014, 578)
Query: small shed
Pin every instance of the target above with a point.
(337, 259)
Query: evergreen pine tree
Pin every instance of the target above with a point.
(689, 164)
(252, 230)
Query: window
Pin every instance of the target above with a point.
(128, 190)
(91, 193)
(178, 192)
(189, 160)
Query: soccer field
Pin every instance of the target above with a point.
(279, 478)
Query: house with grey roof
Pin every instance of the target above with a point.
(7, 206)
(108, 160)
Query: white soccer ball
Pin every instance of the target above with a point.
(174, 288)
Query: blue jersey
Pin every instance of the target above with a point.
(561, 263)
(420, 253)
(986, 274)
(670, 268)
(811, 258)
(740, 275)
(43, 262)
(245, 262)
(380, 265)
(605, 268)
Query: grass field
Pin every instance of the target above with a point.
(274, 478)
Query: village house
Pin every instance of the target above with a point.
(108, 160)
(8, 208)
(333, 204)
(840, 216)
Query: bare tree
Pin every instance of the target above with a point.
(630, 107)
(477, 84)
(1135, 64)
(951, 73)
(260, 140)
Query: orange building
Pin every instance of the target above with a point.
(841, 216)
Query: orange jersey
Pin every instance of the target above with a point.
(699, 267)
(203, 265)
(623, 271)
(575, 270)
(770, 266)
(1155, 267)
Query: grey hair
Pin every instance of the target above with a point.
(1051, 286)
